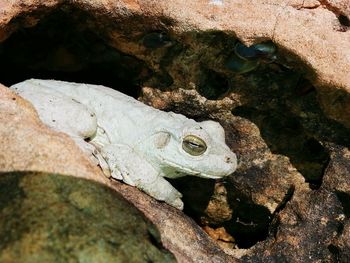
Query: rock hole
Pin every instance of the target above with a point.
(249, 223)
(64, 45)
(196, 201)
(335, 251)
(213, 85)
(344, 20)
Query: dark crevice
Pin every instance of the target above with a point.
(249, 223)
(344, 198)
(275, 222)
(195, 201)
(335, 251)
(213, 85)
(285, 200)
(344, 20)
(61, 46)
(344, 23)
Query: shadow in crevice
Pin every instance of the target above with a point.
(250, 222)
(335, 251)
(196, 194)
(344, 20)
(285, 135)
(213, 85)
(344, 199)
(62, 46)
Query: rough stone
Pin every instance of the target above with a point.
(55, 218)
(320, 214)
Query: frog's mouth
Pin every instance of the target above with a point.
(189, 171)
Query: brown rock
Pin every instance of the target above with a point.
(319, 213)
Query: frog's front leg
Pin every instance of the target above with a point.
(93, 153)
(136, 171)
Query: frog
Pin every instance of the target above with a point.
(129, 140)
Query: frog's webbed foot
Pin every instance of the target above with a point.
(136, 171)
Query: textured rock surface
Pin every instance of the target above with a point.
(54, 218)
(318, 213)
(286, 119)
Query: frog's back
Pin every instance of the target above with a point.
(79, 90)
(127, 113)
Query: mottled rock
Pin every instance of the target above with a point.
(337, 174)
(310, 223)
(55, 218)
(341, 247)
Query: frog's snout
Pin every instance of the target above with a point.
(231, 160)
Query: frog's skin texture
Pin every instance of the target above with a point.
(129, 140)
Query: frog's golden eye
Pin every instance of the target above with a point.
(194, 145)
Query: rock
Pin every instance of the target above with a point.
(319, 214)
(55, 218)
(336, 176)
(341, 247)
(193, 245)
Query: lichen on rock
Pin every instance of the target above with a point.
(55, 218)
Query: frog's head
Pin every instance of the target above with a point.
(193, 148)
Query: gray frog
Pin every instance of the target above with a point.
(131, 141)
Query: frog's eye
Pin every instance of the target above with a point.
(194, 145)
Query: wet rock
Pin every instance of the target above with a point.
(50, 217)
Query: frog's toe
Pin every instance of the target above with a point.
(177, 203)
(116, 174)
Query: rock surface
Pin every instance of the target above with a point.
(287, 117)
(55, 218)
